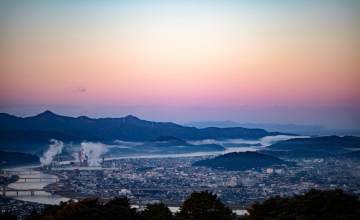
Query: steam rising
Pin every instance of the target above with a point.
(76, 156)
(54, 149)
(93, 151)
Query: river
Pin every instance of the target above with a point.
(39, 196)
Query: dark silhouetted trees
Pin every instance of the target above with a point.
(204, 205)
(87, 209)
(7, 216)
(157, 211)
(313, 205)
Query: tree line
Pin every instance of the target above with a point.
(313, 205)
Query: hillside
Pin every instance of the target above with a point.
(16, 159)
(298, 153)
(353, 154)
(36, 141)
(129, 128)
(241, 161)
(327, 144)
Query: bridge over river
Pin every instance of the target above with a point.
(39, 178)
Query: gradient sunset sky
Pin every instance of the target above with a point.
(247, 61)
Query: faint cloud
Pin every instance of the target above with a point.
(78, 89)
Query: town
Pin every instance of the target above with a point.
(171, 180)
(174, 178)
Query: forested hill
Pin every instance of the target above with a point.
(16, 159)
(128, 128)
(326, 144)
(241, 161)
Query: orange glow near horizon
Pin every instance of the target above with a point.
(183, 54)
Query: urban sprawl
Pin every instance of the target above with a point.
(172, 180)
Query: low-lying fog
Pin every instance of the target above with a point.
(95, 151)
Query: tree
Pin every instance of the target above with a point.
(7, 216)
(315, 204)
(119, 208)
(48, 211)
(34, 215)
(88, 209)
(204, 205)
(156, 211)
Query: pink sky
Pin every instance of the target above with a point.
(183, 56)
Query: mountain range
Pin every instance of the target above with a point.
(24, 134)
(288, 128)
(128, 128)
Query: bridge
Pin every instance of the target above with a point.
(39, 178)
(7, 189)
(22, 172)
(32, 172)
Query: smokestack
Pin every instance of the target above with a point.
(82, 156)
(93, 151)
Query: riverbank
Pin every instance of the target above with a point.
(5, 167)
(50, 172)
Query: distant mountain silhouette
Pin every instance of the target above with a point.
(241, 161)
(129, 128)
(288, 128)
(269, 126)
(327, 144)
(209, 124)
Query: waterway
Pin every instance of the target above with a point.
(39, 196)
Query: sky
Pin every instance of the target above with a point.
(182, 61)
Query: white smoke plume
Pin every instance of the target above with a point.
(93, 151)
(76, 156)
(54, 149)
